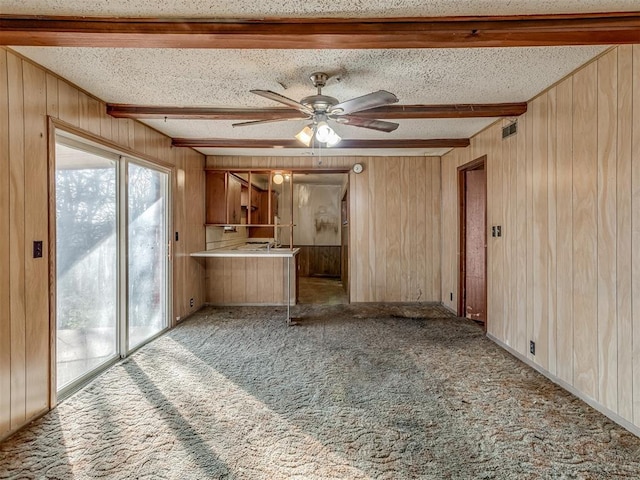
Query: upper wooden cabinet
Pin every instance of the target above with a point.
(234, 200)
(216, 194)
(224, 198)
(245, 197)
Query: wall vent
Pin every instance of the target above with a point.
(510, 129)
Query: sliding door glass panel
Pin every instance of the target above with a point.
(86, 263)
(147, 259)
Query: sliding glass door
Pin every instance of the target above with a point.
(112, 257)
(147, 216)
(86, 262)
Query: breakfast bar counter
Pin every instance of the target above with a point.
(250, 275)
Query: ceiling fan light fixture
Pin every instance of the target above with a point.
(305, 135)
(333, 139)
(323, 132)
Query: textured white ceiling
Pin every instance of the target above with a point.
(223, 78)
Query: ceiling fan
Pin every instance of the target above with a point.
(321, 108)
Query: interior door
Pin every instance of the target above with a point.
(475, 255)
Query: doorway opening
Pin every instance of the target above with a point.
(321, 231)
(472, 181)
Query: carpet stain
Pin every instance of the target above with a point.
(353, 392)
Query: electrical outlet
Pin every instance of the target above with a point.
(191, 303)
(532, 347)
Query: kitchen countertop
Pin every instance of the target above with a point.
(243, 252)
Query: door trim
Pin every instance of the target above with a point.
(477, 164)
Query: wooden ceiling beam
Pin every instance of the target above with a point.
(326, 33)
(200, 113)
(387, 112)
(345, 143)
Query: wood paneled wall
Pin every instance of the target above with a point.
(28, 95)
(249, 281)
(564, 273)
(394, 231)
(319, 260)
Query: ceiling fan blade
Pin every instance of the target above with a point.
(365, 102)
(259, 122)
(380, 125)
(282, 99)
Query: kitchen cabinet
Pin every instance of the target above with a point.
(255, 197)
(234, 200)
(237, 197)
(223, 194)
(216, 206)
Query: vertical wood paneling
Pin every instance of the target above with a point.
(52, 96)
(635, 226)
(393, 221)
(215, 281)
(624, 232)
(69, 103)
(238, 280)
(512, 221)
(407, 224)
(552, 260)
(540, 230)
(585, 225)
(520, 260)
(379, 232)
(508, 280)
(106, 125)
(480, 144)
(17, 241)
(433, 195)
(450, 240)
(139, 137)
(5, 252)
(36, 228)
(194, 204)
(564, 232)
(179, 226)
(424, 273)
(607, 319)
(362, 278)
(529, 228)
(498, 152)
(252, 280)
(120, 130)
(93, 110)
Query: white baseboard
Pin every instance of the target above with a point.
(570, 388)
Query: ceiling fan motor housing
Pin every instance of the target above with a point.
(319, 103)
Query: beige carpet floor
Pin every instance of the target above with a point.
(353, 392)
